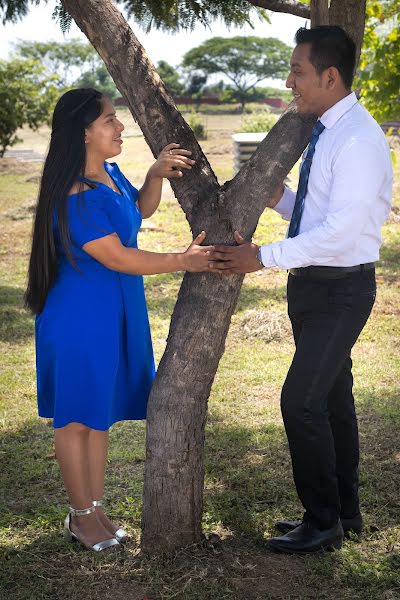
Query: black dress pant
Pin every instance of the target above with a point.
(327, 316)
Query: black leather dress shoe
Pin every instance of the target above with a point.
(307, 538)
(286, 526)
(350, 526)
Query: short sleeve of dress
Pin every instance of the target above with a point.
(88, 219)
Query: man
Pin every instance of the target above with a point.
(333, 241)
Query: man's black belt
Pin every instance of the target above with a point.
(329, 272)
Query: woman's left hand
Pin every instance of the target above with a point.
(171, 162)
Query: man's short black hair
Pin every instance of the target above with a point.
(331, 46)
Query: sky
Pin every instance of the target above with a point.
(39, 26)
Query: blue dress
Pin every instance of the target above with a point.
(94, 355)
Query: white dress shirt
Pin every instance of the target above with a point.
(348, 196)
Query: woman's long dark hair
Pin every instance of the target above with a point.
(66, 159)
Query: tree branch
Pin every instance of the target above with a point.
(293, 7)
(147, 98)
(265, 170)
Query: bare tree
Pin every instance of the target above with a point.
(174, 472)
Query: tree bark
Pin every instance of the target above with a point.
(350, 14)
(319, 12)
(174, 472)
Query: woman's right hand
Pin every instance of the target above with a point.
(197, 258)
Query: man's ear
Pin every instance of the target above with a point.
(332, 77)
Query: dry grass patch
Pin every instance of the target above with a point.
(264, 325)
(12, 166)
(22, 212)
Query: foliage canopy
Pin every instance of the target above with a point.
(76, 63)
(171, 15)
(171, 78)
(27, 96)
(379, 71)
(244, 60)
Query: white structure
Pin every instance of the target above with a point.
(245, 144)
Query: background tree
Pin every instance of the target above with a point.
(195, 86)
(245, 61)
(76, 63)
(98, 78)
(231, 95)
(68, 59)
(379, 73)
(27, 96)
(215, 89)
(171, 77)
(174, 472)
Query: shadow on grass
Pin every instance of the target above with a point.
(249, 478)
(248, 486)
(48, 567)
(248, 471)
(38, 564)
(30, 483)
(16, 323)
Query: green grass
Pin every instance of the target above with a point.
(248, 483)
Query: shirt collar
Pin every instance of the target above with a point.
(335, 112)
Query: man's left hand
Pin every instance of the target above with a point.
(235, 259)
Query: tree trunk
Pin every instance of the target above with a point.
(173, 495)
(319, 12)
(350, 14)
(174, 472)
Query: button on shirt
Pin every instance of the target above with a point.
(348, 197)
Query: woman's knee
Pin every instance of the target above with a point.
(75, 428)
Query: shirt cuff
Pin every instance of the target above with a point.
(286, 204)
(267, 257)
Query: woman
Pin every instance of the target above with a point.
(93, 348)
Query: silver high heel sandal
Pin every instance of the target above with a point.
(120, 535)
(72, 537)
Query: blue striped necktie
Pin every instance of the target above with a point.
(303, 181)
